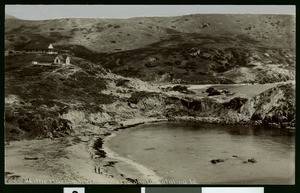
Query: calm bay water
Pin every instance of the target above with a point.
(249, 90)
(183, 151)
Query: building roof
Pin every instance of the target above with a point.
(37, 46)
(62, 57)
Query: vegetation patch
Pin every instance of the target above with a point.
(235, 103)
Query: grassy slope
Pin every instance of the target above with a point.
(37, 96)
(98, 34)
(48, 101)
(192, 48)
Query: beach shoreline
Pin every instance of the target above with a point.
(63, 161)
(134, 172)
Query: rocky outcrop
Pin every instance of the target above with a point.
(274, 107)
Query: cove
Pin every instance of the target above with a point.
(182, 152)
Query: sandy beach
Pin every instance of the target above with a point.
(72, 160)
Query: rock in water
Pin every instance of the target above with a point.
(252, 160)
(215, 161)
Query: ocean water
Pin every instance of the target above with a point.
(182, 152)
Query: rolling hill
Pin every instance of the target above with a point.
(200, 48)
(112, 35)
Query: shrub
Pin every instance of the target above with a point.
(235, 103)
(214, 92)
(122, 82)
(210, 89)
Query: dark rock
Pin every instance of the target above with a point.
(215, 161)
(151, 148)
(244, 162)
(234, 156)
(252, 160)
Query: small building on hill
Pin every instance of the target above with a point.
(52, 60)
(62, 59)
(40, 48)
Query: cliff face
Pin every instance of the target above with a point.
(273, 107)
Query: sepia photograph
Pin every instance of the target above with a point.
(150, 94)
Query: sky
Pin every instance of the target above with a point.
(42, 12)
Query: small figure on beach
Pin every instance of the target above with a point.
(97, 169)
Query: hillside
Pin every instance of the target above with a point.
(112, 35)
(37, 97)
(200, 48)
(50, 101)
(204, 60)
